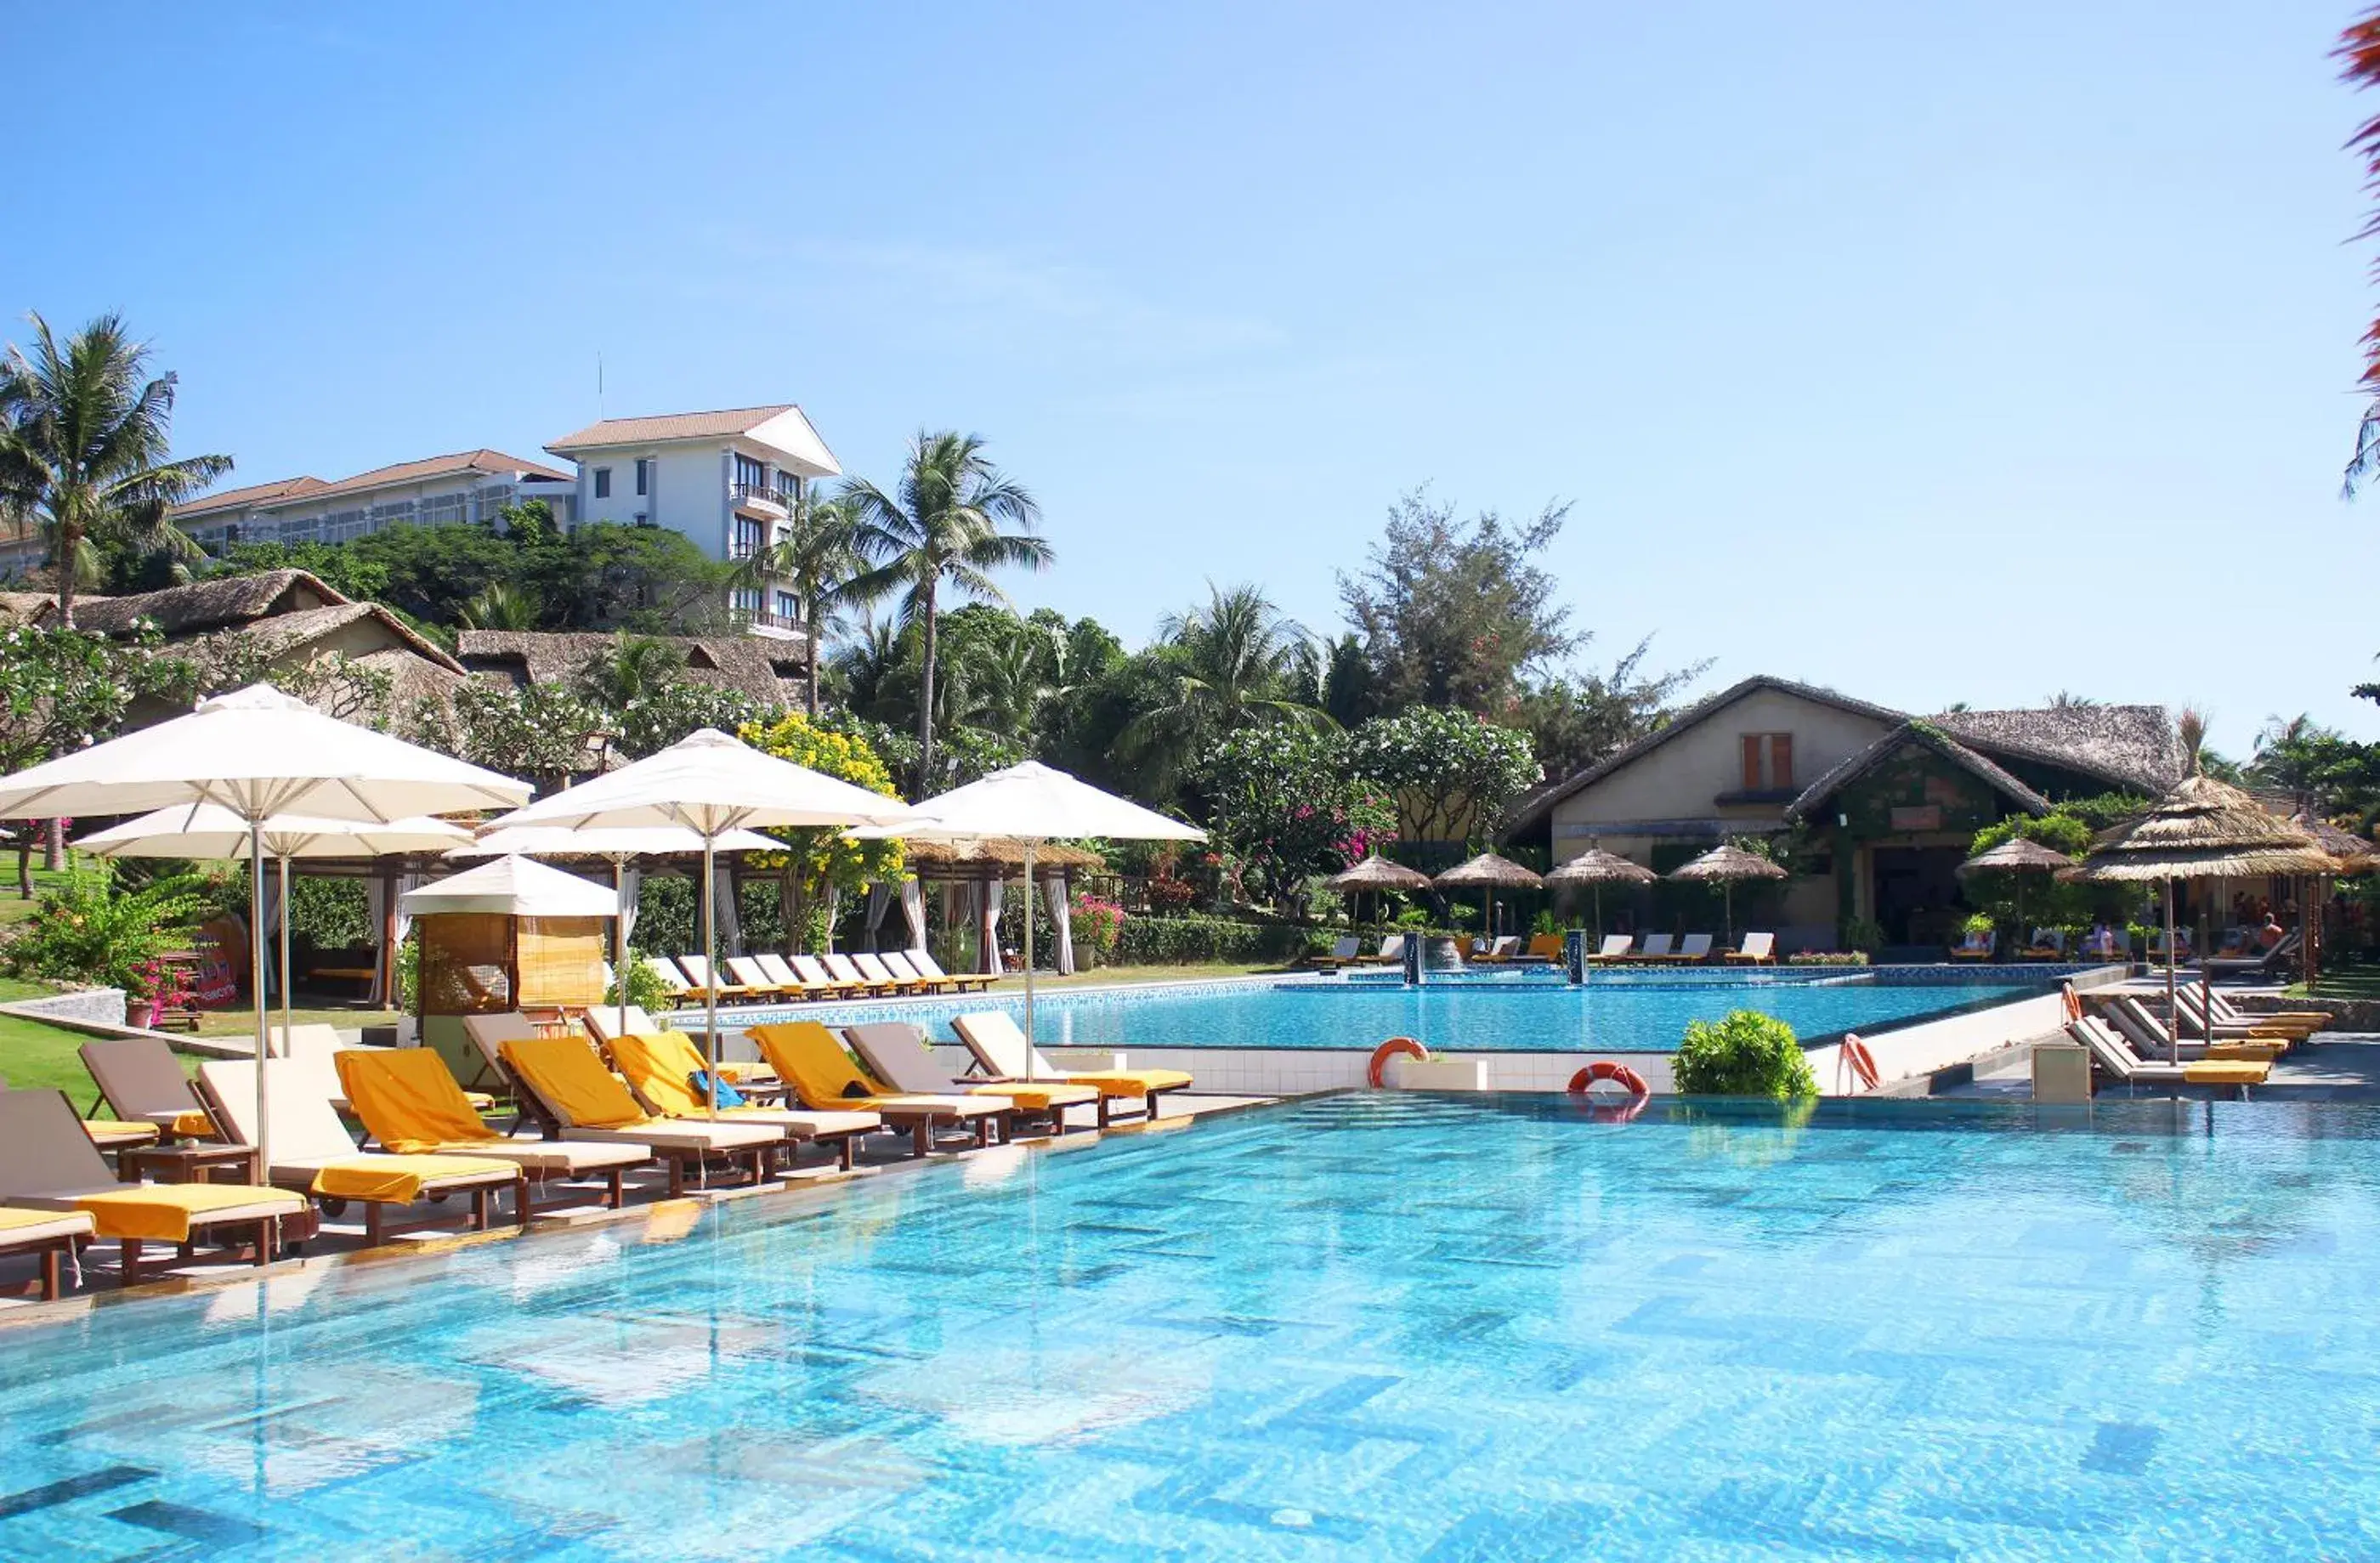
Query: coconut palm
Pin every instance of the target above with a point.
(952, 519)
(1238, 661)
(85, 443)
(817, 553)
(631, 669)
(500, 605)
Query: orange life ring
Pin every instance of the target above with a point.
(1620, 1075)
(1863, 1062)
(2074, 1002)
(1395, 1046)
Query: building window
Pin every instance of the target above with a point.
(748, 533)
(643, 466)
(747, 599)
(751, 474)
(602, 482)
(787, 610)
(1768, 761)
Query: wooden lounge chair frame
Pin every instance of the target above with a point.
(674, 1159)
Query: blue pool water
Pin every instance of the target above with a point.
(1364, 1327)
(1617, 1013)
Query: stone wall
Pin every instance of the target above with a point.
(104, 1005)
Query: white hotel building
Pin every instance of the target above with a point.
(727, 480)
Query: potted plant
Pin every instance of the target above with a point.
(152, 985)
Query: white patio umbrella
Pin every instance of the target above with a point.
(618, 843)
(210, 833)
(257, 753)
(712, 785)
(1032, 803)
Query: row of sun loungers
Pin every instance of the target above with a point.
(772, 978)
(633, 1095)
(1759, 949)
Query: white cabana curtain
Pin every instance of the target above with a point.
(991, 894)
(879, 899)
(913, 912)
(1061, 919)
(385, 980)
(632, 884)
(268, 927)
(729, 926)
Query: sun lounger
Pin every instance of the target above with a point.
(2048, 944)
(409, 1102)
(751, 977)
(821, 983)
(313, 1152)
(1654, 948)
(1615, 950)
(1758, 949)
(575, 1093)
(992, 1037)
(895, 1053)
(53, 1234)
(660, 1068)
(822, 1077)
(902, 971)
(673, 981)
(2297, 1023)
(873, 968)
(47, 1163)
(2116, 1061)
(1544, 947)
(1980, 944)
(2192, 1019)
(1694, 951)
(1495, 951)
(923, 962)
(2151, 1042)
(791, 982)
(703, 984)
(1391, 953)
(839, 966)
(1343, 950)
(141, 1081)
(2270, 964)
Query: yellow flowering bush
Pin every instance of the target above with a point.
(825, 857)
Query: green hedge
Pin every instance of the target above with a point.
(1181, 940)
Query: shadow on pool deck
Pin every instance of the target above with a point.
(2343, 1066)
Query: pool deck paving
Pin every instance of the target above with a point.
(341, 1240)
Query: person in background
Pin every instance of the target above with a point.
(2271, 935)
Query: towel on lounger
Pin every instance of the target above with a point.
(162, 1212)
(397, 1180)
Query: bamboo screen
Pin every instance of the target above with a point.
(466, 963)
(561, 960)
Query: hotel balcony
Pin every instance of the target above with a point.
(760, 499)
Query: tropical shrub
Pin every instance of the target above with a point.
(90, 929)
(1828, 958)
(1285, 803)
(160, 982)
(1864, 934)
(1098, 925)
(1747, 1054)
(2025, 901)
(646, 990)
(1448, 775)
(1182, 940)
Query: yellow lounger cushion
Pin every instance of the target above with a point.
(1130, 1082)
(660, 1064)
(408, 1097)
(2226, 1072)
(811, 1063)
(162, 1212)
(566, 1072)
(399, 1180)
(22, 1226)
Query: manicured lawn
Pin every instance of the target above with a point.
(12, 910)
(35, 1057)
(2344, 981)
(242, 1023)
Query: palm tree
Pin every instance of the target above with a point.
(817, 552)
(2359, 46)
(85, 449)
(1240, 662)
(500, 605)
(630, 668)
(941, 526)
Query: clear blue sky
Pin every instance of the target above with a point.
(1936, 352)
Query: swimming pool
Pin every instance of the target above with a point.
(1359, 1327)
(1614, 1013)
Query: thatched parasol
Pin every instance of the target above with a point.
(2019, 856)
(2202, 830)
(1598, 868)
(1489, 873)
(1723, 866)
(1376, 874)
(2353, 853)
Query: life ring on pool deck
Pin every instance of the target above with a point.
(1854, 1053)
(1395, 1046)
(2073, 1001)
(1586, 1080)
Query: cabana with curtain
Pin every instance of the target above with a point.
(980, 870)
(512, 933)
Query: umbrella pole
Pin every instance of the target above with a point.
(1029, 959)
(710, 990)
(256, 978)
(2172, 959)
(286, 1017)
(620, 937)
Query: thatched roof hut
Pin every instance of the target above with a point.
(1487, 871)
(1376, 873)
(2355, 853)
(2202, 830)
(1597, 866)
(2017, 855)
(1726, 865)
(984, 858)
